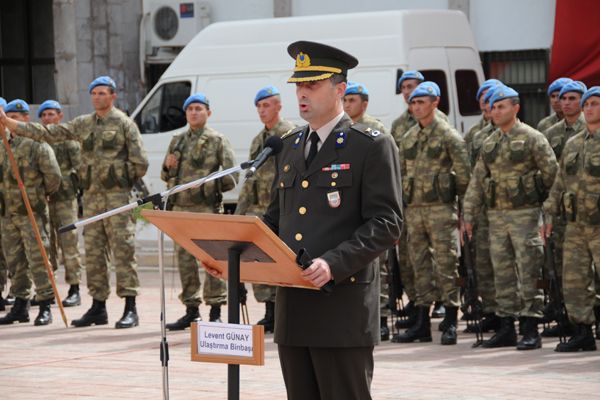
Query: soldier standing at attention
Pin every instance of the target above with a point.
(256, 193)
(63, 204)
(514, 171)
(40, 174)
(575, 197)
(113, 159)
(485, 117)
(196, 153)
(435, 167)
(553, 94)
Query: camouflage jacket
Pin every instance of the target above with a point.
(434, 164)
(474, 147)
(68, 155)
(39, 172)
(405, 121)
(112, 154)
(559, 133)
(372, 123)
(474, 129)
(575, 194)
(514, 170)
(547, 122)
(256, 193)
(199, 152)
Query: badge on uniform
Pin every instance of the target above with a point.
(334, 199)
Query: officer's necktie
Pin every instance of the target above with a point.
(312, 151)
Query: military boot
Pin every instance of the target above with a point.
(215, 313)
(582, 340)
(269, 320)
(445, 324)
(438, 310)
(409, 321)
(490, 322)
(35, 302)
(130, 316)
(407, 310)
(505, 336)
(384, 330)
(531, 338)
(450, 336)
(597, 314)
(44, 317)
(18, 313)
(420, 331)
(73, 299)
(96, 315)
(191, 314)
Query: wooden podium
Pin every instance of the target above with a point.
(242, 248)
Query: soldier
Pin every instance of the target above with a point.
(558, 134)
(512, 175)
(553, 94)
(574, 197)
(256, 193)
(40, 174)
(3, 267)
(485, 117)
(198, 152)
(113, 159)
(63, 204)
(435, 166)
(356, 101)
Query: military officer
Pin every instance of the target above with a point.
(558, 134)
(256, 193)
(113, 159)
(336, 194)
(553, 94)
(436, 171)
(574, 197)
(514, 171)
(40, 174)
(485, 117)
(198, 152)
(356, 101)
(63, 204)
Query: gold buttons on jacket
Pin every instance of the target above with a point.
(298, 237)
(281, 184)
(305, 184)
(352, 279)
(302, 210)
(286, 167)
(333, 184)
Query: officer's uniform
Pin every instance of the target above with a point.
(199, 152)
(256, 192)
(344, 208)
(113, 159)
(40, 174)
(574, 197)
(553, 118)
(511, 175)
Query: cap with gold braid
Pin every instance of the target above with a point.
(316, 61)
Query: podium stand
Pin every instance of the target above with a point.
(241, 248)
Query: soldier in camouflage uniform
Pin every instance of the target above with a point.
(63, 204)
(575, 197)
(198, 152)
(514, 171)
(40, 174)
(356, 101)
(256, 193)
(3, 267)
(113, 159)
(485, 116)
(558, 135)
(435, 167)
(553, 94)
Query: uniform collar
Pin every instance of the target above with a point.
(110, 113)
(326, 129)
(196, 132)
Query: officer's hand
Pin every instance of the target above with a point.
(318, 273)
(213, 272)
(469, 229)
(171, 161)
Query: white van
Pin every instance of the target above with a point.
(231, 61)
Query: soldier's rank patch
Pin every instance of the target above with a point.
(298, 141)
(334, 199)
(340, 140)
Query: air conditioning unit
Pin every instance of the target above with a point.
(170, 23)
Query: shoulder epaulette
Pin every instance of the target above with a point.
(365, 130)
(293, 131)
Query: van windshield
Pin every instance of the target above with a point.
(163, 112)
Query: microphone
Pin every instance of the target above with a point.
(273, 145)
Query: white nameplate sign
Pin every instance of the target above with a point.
(225, 339)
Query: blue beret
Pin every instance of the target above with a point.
(411, 75)
(488, 95)
(265, 93)
(558, 84)
(502, 93)
(593, 91)
(196, 98)
(49, 105)
(573, 86)
(17, 105)
(426, 88)
(487, 85)
(102, 81)
(356, 88)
